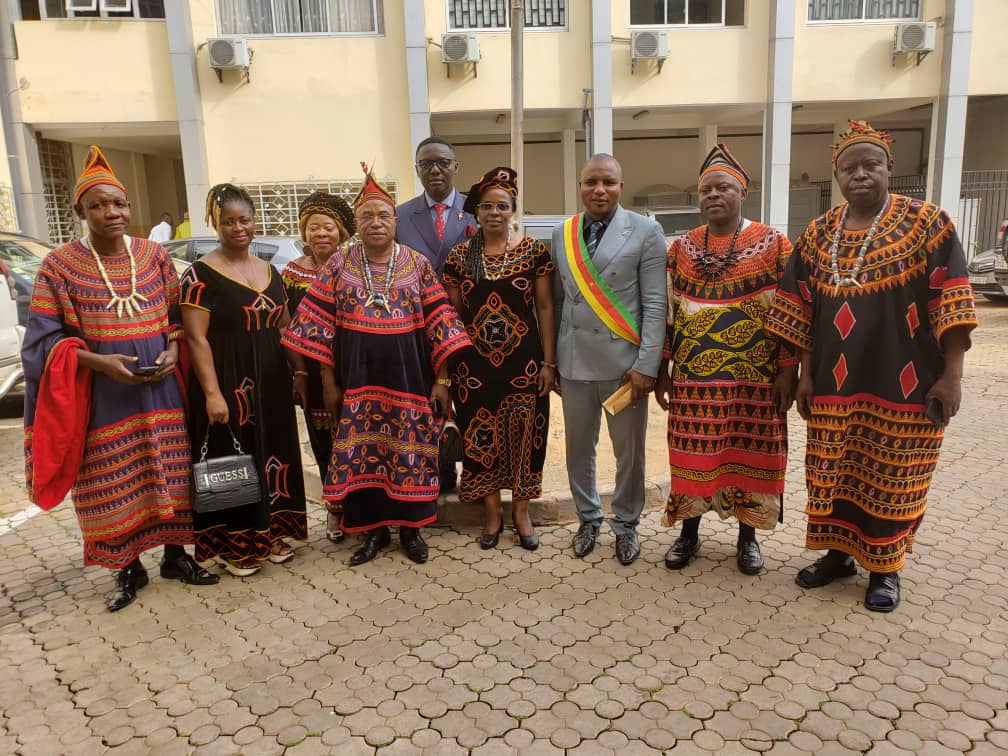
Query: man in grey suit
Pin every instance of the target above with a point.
(625, 255)
(434, 222)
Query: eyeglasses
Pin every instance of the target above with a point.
(365, 219)
(445, 164)
(500, 207)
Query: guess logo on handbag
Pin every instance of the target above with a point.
(225, 476)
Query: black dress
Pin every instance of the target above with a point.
(500, 414)
(254, 380)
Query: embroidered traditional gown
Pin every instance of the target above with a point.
(132, 491)
(502, 418)
(253, 376)
(727, 441)
(875, 354)
(384, 461)
(297, 279)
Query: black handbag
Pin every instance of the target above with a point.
(224, 482)
(450, 444)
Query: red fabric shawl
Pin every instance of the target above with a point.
(59, 431)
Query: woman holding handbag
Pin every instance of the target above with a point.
(234, 309)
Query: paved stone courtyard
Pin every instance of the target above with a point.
(533, 653)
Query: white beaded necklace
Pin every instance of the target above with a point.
(131, 303)
(851, 279)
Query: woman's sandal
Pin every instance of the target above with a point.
(281, 552)
(333, 531)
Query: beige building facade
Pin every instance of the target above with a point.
(333, 82)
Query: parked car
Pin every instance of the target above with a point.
(988, 270)
(277, 250)
(11, 335)
(21, 257)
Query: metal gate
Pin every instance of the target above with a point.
(983, 204)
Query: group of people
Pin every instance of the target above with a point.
(397, 319)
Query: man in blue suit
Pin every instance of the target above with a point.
(434, 222)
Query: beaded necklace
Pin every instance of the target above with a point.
(851, 279)
(494, 270)
(377, 298)
(129, 304)
(713, 267)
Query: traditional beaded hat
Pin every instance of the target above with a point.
(721, 159)
(859, 132)
(331, 205)
(500, 177)
(371, 190)
(96, 171)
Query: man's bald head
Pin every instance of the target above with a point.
(603, 159)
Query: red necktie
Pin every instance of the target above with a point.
(439, 220)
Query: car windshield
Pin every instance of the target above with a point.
(15, 251)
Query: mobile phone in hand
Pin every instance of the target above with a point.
(935, 413)
(145, 371)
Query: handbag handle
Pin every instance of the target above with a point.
(206, 442)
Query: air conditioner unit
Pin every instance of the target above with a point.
(460, 47)
(117, 6)
(81, 5)
(649, 45)
(228, 53)
(916, 37)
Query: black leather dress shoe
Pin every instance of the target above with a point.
(413, 544)
(825, 570)
(627, 548)
(184, 568)
(883, 594)
(374, 541)
(750, 559)
(129, 580)
(584, 539)
(682, 552)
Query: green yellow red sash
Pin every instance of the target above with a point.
(594, 289)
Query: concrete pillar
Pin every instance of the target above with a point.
(22, 142)
(948, 127)
(568, 143)
(141, 213)
(708, 140)
(602, 110)
(416, 77)
(835, 196)
(182, 53)
(777, 116)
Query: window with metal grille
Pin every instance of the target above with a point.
(863, 10)
(496, 14)
(34, 10)
(277, 202)
(687, 12)
(57, 190)
(300, 16)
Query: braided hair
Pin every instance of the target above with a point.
(221, 195)
(473, 259)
